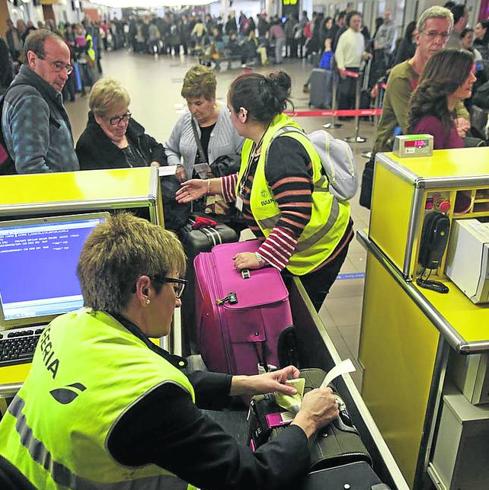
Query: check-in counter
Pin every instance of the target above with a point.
(316, 349)
(133, 189)
(25, 196)
(416, 343)
(138, 190)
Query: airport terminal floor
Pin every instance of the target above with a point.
(154, 85)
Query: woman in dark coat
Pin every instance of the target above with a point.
(408, 44)
(112, 139)
(6, 67)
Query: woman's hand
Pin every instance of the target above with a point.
(265, 383)
(191, 190)
(462, 126)
(180, 173)
(247, 260)
(319, 407)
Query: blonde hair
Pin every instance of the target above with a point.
(120, 250)
(435, 12)
(199, 81)
(106, 94)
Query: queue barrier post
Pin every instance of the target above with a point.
(334, 103)
(356, 138)
(381, 86)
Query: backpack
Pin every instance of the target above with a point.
(336, 159)
(7, 165)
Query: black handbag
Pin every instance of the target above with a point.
(336, 444)
(176, 215)
(367, 183)
(224, 165)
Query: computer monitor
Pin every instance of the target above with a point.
(38, 259)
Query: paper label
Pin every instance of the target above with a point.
(343, 367)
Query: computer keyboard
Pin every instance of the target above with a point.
(18, 345)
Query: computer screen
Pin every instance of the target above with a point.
(38, 259)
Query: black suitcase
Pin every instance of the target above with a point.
(354, 476)
(194, 242)
(321, 90)
(336, 444)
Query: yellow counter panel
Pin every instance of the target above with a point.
(470, 321)
(393, 197)
(91, 185)
(457, 163)
(14, 374)
(398, 350)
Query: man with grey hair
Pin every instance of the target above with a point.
(433, 30)
(385, 36)
(35, 125)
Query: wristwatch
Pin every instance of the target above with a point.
(261, 260)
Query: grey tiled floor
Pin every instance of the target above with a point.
(154, 85)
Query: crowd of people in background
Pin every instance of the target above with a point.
(342, 44)
(251, 40)
(84, 40)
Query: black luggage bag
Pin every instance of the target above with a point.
(194, 242)
(336, 444)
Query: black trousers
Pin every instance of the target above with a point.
(346, 89)
(318, 283)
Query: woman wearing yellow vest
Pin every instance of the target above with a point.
(281, 189)
(104, 407)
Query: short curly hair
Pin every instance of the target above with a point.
(199, 81)
(120, 250)
(106, 94)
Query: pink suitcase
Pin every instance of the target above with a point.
(239, 320)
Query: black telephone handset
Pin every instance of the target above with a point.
(434, 238)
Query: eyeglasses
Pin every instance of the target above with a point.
(432, 35)
(178, 284)
(58, 66)
(116, 120)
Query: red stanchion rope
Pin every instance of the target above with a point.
(336, 113)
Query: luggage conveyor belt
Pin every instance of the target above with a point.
(316, 349)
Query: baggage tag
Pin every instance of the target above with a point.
(279, 419)
(239, 204)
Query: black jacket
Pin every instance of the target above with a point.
(95, 150)
(166, 428)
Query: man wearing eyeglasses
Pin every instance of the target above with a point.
(433, 30)
(35, 125)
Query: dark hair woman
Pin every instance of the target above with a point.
(447, 79)
(281, 189)
(407, 47)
